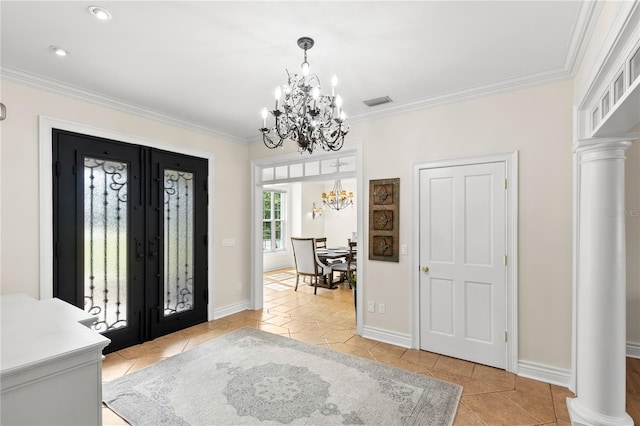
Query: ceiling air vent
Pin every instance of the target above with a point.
(378, 101)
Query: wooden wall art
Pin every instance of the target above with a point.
(384, 218)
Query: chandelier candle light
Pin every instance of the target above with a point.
(303, 114)
(337, 198)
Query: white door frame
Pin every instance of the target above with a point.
(257, 295)
(511, 164)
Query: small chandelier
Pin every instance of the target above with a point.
(337, 198)
(304, 115)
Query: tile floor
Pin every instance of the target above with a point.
(490, 396)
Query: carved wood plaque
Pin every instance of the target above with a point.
(384, 198)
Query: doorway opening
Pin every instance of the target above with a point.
(299, 183)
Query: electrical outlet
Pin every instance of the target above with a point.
(381, 308)
(372, 306)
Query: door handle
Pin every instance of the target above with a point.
(425, 269)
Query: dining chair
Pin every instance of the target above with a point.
(307, 262)
(347, 268)
(321, 243)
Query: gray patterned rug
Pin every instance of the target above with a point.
(253, 377)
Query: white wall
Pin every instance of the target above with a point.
(538, 123)
(19, 194)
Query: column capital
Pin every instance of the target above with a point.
(586, 144)
(611, 150)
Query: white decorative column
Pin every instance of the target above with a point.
(601, 288)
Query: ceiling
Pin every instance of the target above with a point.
(213, 65)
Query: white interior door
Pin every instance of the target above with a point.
(462, 260)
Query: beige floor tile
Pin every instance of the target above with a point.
(199, 339)
(362, 342)
(495, 409)
(560, 395)
(279, 319)
(454, 365)
(470, 386)
(314, 339)
(495, 377)
(464, 417)
(114, 365)
(136, 351)
(146, 360)
(351, 350)
(109, 418)
(539, 406)
(388, 350)
(275, 329)
(423, 358)
(338, 336)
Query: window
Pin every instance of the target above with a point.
(618, 87)
(634, 67)
(595, 115)
(605, 104)
(273, 225)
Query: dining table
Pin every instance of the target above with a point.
(328, 256)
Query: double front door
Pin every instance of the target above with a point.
(130, 236)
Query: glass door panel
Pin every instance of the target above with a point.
(178, 241)
(105, 242)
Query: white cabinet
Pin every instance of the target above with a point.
(50, 363)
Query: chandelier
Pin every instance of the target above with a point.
(337, 198)
(303, 115)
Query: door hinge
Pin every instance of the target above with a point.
(506, 339)
(505, 184)
(58, 168)
(505, 260)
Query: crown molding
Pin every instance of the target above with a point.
(39, 82)
(582, 31)
(468, 94)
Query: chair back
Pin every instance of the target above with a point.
(351, 257)
(321, 242)
(304, 255)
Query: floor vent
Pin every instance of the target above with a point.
(378, 101)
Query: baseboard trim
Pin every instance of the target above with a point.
(544, 373)
(386, 336)
(633, 350)
(234, 308)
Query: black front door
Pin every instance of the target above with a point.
(130, 236)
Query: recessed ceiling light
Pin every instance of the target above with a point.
(59, 51)
(100, 13)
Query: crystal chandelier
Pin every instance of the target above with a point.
(337, 198)
(303, 114)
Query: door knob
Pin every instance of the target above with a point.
(425, 269)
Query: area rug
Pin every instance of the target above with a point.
(253, 377)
